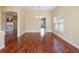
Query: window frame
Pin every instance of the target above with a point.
(57, 23)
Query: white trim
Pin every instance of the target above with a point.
(67, 40)
(58, 35)
(20, 34)
(38, 31)
(32, 31)
(2, 46)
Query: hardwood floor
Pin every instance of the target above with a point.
(10, 42)
(32, 43)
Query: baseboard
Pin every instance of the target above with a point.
(2, 47)
(66, 43)
(20, 35)
(38, 33)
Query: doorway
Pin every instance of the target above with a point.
(9, 26)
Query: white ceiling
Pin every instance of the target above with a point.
(40, 8)
(45, 8)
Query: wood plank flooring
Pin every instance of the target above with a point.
(10, 42)
(32, 43)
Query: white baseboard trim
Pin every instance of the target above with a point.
(67, 40)
(20, 34)
(2, 47)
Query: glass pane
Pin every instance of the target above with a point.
(58, 23)
(55, 19)
(61, 27)
(56, 26)
(60, 20)
(61, 15)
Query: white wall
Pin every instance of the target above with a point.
(71, 24)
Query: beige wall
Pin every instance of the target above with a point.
(22, 21)
(0, 18)
(1, 34)
(71, 24)
(3, 22)
(33, 24)
(2, 43)
(15, 22)
(27, 21)
(20, 17)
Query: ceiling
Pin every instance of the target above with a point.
(45, 8)
(40, 8)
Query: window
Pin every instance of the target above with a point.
(58, 23)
